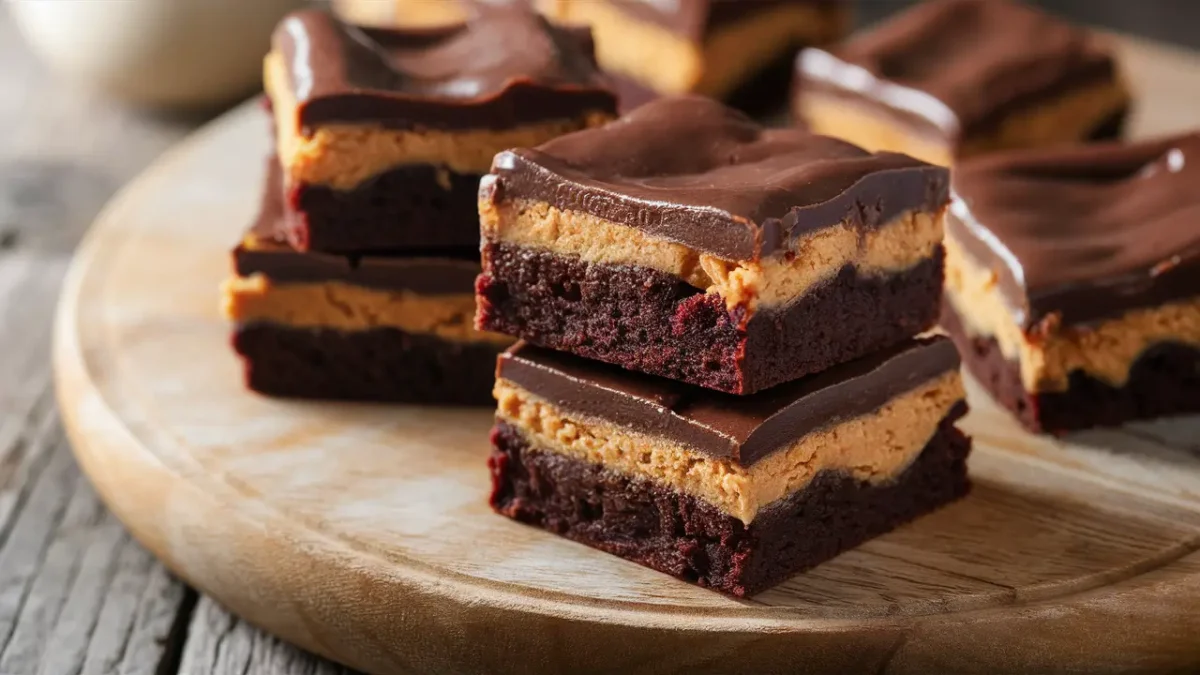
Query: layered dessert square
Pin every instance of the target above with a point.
(731, 493)
(1073, 281)
(731, 49)
(369, 328)
(383, 134)
(686, 241)
(949, 79)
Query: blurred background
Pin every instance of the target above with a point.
(1168, 20)
(203, 54)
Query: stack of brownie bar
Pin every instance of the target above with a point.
(356, 280)
(719, 376)
(952, 79)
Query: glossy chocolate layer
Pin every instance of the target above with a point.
(691, 170)
(960, 66)
(1087, 232)
(505, 68)
(744, 429)
(262, 252)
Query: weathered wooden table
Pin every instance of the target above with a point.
(77, 595)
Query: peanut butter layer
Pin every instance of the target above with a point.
(1070, 117)
(340, 306)
(773, 281)
(342, 156)
(874, 447)
(1049, 353)
(417, 13)
(671, 63)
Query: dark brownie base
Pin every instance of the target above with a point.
(381, 364)
(650, 321)
(688, 538)
(1164, 382)
(404, 208)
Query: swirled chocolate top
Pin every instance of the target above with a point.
(961, 65)
(744, 429)
(505, 67)
(1084, 233)
(690, 170)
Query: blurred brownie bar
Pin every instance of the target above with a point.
(740, 50)
(383, 134)
(376, 328)
(686, 241)
(1073, 281)
(951, 79)
(732, 493)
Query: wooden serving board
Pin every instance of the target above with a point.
(362, 532)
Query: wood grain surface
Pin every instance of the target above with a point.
(78, 596)
(361, 532)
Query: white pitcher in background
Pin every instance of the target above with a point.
(161, 53)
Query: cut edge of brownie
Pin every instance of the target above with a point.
(1164, 381)
(685, 537)
(410, 206)
(377, 365)
(650, 321)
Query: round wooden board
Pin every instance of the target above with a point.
(362, 532)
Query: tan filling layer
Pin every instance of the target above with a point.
(1070, 117)
(832, 116)
(1048, 354)
(671, 64)
(342, 156)
(425, 13)
(341, 306)
(896, 246)
(874, 447)
(377, 12)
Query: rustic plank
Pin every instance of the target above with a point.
(221, 644)
(77, 594)
(55, 574)
(140, 613)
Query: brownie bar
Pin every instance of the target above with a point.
(1073, 281)
(759, 95)
(750, 260)
(645, 320)
(376, 328)
(736, 494)
(710, 47)
(950, 79)
(391, 125)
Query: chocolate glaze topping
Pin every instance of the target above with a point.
(261, 252)
(693, 171)
(744, 429)
(503, 68)
(1087, 232)
(961, 66)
